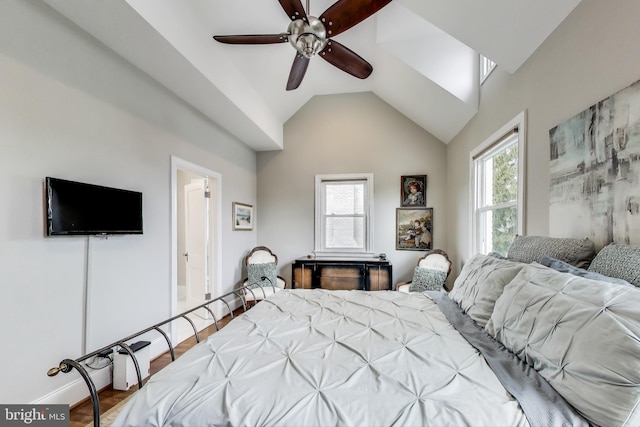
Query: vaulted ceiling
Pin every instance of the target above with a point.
(424, 55)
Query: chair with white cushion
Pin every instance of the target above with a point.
(262, 279)
(430, 273)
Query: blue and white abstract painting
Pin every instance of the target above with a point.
(595, 172)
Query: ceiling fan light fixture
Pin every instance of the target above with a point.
(308, 38)
(308, 45)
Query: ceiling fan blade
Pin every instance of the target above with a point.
(293, 8)
(347, 60)
(253, 38)
(298, 70)
(344, 14)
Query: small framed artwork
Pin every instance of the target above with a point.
(413, 191)
(414, 229)
(242, 216)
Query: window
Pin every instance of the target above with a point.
(486, 67)
(497, 171)
(344, 206)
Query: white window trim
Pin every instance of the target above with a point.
(484, 73)
(520, 122)
(319, 252)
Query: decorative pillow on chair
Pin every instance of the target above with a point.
(426, 279)
(256, 272)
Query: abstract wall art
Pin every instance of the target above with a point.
(595, 172)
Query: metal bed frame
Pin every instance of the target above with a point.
(67, 365)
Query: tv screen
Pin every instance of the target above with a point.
(76, 208)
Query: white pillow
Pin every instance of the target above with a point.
(582, 335)
(480, 283)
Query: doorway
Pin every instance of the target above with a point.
(196, 271)
(195, 250)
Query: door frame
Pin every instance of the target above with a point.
(215, 257)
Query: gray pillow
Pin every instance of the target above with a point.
(583, 336)
(497, 255)
(527, 249)
(564, 267)
(621, 261)
(427, 279)
(480, 283)
(257, 272)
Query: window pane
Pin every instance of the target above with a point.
(499, 227)
(343, 213)
(505, 175)
(344, 232)
(501, 177)
(486, 66)
(344, 199)
(498, 188)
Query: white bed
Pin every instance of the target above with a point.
(515, 343)
(315, 357)
(321, 358)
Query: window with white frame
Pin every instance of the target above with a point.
(486, 67)
(497, 171)
(344, 206)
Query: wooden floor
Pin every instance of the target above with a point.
(82, 413)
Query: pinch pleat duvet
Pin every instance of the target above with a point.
(325, 358)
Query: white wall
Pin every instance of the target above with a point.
(350, 133)
(70, 108)
(591, 55)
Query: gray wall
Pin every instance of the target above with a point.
(351, 133)
(70, 108)
(593, 54)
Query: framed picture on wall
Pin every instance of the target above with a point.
(242, 216)
(413, 191)
(414, 229)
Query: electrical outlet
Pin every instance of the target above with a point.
(105, 353)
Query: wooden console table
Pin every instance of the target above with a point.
(362, 274)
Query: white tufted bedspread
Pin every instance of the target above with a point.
(322, 358)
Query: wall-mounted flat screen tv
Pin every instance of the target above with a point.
(76, 208)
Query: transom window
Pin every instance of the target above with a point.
(343, 214)
(498, 189)
(486, 67)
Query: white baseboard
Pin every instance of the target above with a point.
(76, 391)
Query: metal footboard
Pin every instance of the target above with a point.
(67, 365)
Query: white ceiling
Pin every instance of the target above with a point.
(424, 55)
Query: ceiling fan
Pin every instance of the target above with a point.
(310, 36)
